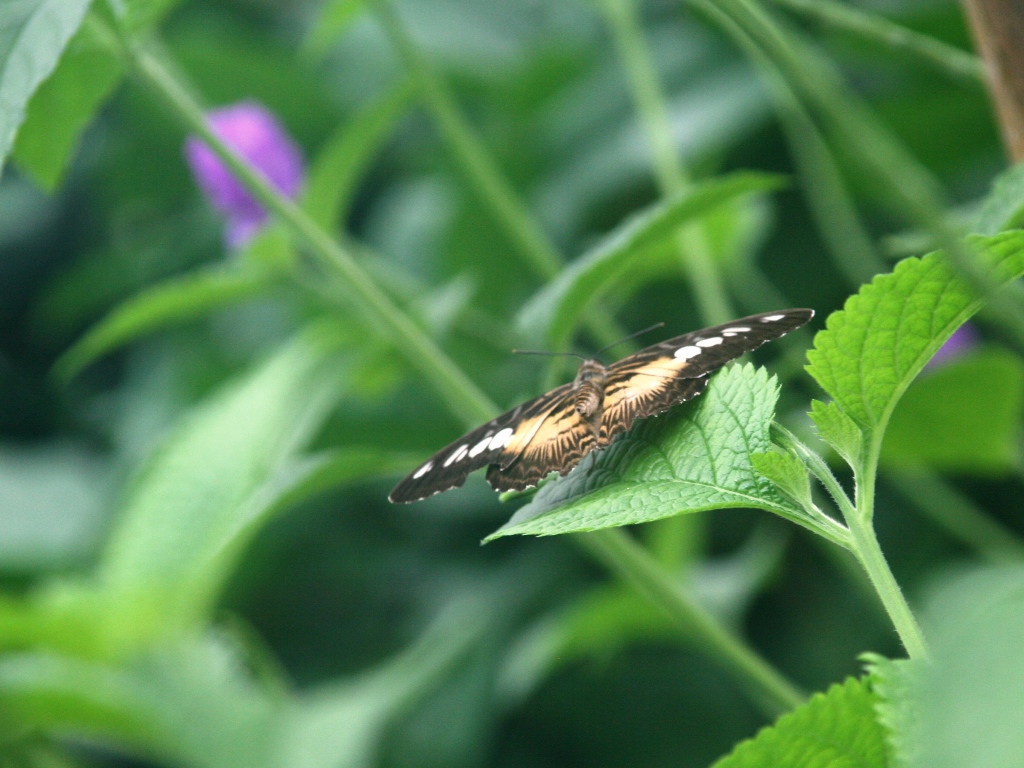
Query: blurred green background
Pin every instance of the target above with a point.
(344, 581)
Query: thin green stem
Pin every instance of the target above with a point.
(862, 532)
(620, 553)
(457, 390)
(694, 247)
(869, 26)
(479, 168)
(817, 465)
(824, 191)
(866, 548)
(850, 124)
(864, 544)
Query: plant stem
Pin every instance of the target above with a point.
(479, 167)
(824, 192)
(620, 553)
(869, 26)
(850, 124)
(695, 250)
(458, 391)
(865, 546)
(863, 542)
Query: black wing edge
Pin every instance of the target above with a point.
(450, 466)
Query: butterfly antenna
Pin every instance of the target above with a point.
(631, 336)
(547, 354)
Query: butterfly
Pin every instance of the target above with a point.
(553, 432)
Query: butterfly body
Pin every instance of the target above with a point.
(553, 432)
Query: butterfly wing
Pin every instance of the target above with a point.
(656, 378)
(560, 441)
(497, 442)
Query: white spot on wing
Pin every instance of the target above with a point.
(457, 455)
(501, 439)
(423, 470)
(685, 353)
(714, 341)
(771, 318)
(735, 331)
(479, 448)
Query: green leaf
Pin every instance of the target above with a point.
(838, 430)
(52, 506)
(215, 480)
(873, 348)
(836, 729)
(167, 303)
(33, 35)
(695, 458)
(787, 472)
(342, 725)
(63, 106)
(1003, 208)
(896, 683)
(554, 313)
(143, 15)
(335, 17)
(340, 165)
(963, 417)
(189, 703)
(309, 475)
(965, 709)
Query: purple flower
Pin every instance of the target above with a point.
(962, 341)
(255, 134)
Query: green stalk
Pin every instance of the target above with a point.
(827, 199)
(863, 542)
(850, 124)
(479, 168)
(458, 391)
(623, 555)
(865, 546)
(847, 18)
(695, 250)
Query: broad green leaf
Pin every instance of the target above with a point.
(835, 729)
(695, 458)
(342, 725)
(963, 417)
(1003, 208)
(64, 105)
(167, 303)
(787, 472)
(896, 683)
(142, 15)
(554, 312)
(206, 490)
(52, 506)
(965, 709)
(611, 617)
(838, 430)
(189, 702)
(307, 476)
(335, 17)
(340, 165)
(33, 35)
(873, 348)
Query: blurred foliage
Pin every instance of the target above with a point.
(199, 564)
